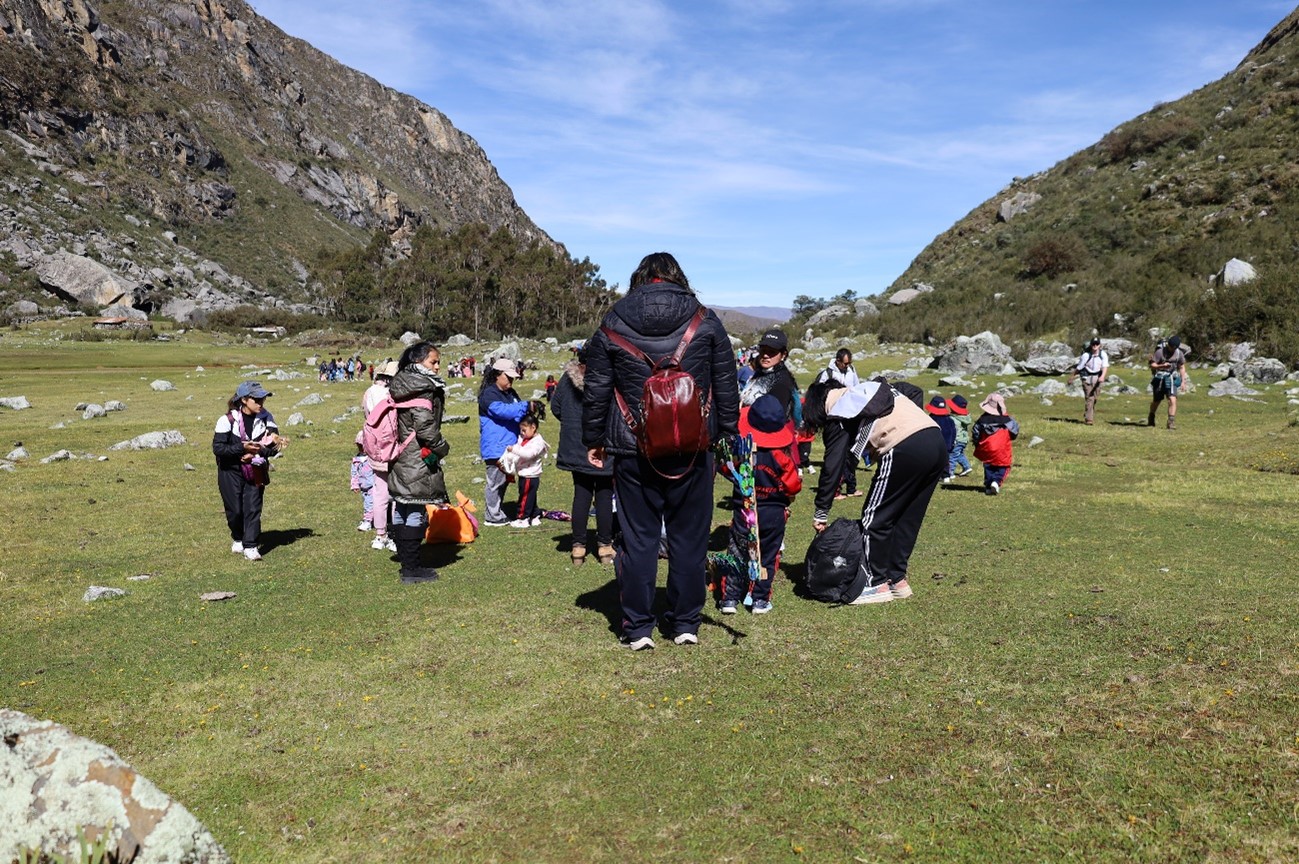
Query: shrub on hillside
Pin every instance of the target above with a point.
(1264, 312)
(1147, 135)
(240, 318)
(1054, 255)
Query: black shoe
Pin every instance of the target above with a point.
(408, 540)
(419, 574)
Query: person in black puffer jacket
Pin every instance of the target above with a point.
(677, 493)
(589, 483)
(415, 476)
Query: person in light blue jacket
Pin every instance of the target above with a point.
(499, 411)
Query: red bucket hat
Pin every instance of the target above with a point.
(937, 406)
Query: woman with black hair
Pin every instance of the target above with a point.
(245, 437)
(658, 316)
(415, 477)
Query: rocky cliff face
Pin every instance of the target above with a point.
(165, 138)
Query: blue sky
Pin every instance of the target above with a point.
(777, 147)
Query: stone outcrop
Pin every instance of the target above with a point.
(1016, 205)
(981, 354)
(57, 787)
(230, 123)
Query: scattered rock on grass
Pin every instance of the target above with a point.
(161, 385)
(99, 592)
(151, 441)
(17, 454)
(93, 411)
(14, 403)
(58, 456)
(217, 595)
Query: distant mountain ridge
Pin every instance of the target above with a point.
(750, 319)
(129, 119)
(1126, 235)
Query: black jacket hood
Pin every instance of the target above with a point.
(657, 312)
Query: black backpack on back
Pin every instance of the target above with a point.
(834, 571)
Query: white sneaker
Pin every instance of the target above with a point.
(811, 470)
(252, 554)
(640, 644)
(686, 639)
(365, 525)
(994, 488)
(237, 547)
(520, 523)
(536, 520)
(383, 541)
(879, 594)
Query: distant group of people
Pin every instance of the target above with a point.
(351, 369)
(610, 441)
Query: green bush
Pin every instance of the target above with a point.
(1264, 312)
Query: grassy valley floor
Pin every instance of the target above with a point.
(1101, 664)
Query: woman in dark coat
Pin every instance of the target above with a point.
(415, 476)
(245, 437)
(589, 483)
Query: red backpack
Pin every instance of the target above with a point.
(674, 416)
(379, 434)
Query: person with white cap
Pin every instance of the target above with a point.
(499, 411)
(374, 394)
(1093, 365)
(245, 437)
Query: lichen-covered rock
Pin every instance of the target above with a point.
(58, 456)
(162, 386)
(56, 787)
(151, 441)
(409, 338)
(15, 403)
(981, 354)
(100, 592)
(458, 341)
(92, 411)
(309, 399)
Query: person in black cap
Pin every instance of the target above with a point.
(1093, 365)
(772, 377)
(1168, 366)
(245, 437)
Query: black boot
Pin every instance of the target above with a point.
(408, 539)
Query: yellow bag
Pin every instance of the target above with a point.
(452, 523)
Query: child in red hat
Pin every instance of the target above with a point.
(776, 482)
(938, 410)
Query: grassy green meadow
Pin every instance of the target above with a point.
(1101, 664)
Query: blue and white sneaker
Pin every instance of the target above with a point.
(761, 607)
(729, 607)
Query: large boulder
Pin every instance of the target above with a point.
(906, 295)
(1231, 387)
(1237, 272)
(1020, 202)
(981, 354)
(1119, 349)
(508, 350)
(458, 341)
(1260, 370)
(15, 403)
(408, 338)
(1049, 358)
(865, 308)
(84, 280)
(57, 788)
(829, 313)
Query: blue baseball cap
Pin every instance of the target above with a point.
(251, 388)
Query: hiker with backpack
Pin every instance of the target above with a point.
(374, 394)
(1093, 365)
(911, 456)
(415, 479)
(660, 388)
(499, 411)
(1168, 378)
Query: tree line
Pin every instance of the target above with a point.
(470, 280)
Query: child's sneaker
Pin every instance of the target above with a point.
(237, 547)
(994, 488)
(879, 594)
(383, 541)
(761, 607)
(252, 554)
(535, 521)
(729, 607)
(366, 525)
(520, 523)
(641, 644)
(900, 589)
(685, 639)
(963, 473)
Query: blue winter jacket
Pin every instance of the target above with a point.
(499, 413)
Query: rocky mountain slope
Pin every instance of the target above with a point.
(1134, 232)
(169, 156)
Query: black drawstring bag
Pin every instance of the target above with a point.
(834, 571)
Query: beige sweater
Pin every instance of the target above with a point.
(898, 425)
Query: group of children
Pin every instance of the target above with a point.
(992, 434)
(522, 460)
(777, 479)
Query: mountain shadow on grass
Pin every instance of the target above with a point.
(275, 539)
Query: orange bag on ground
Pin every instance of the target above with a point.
(452, 523)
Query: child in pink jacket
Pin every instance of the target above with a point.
(527, 457)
